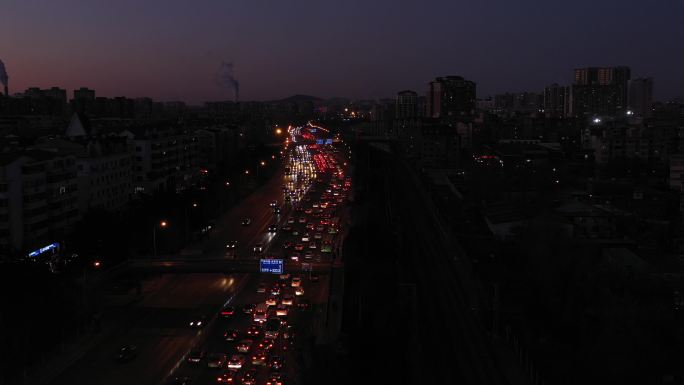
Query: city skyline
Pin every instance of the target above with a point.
(178, 52)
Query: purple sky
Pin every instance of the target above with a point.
(171, 50)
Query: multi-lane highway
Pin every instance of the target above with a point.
(309, 189)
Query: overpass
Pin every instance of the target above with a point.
(213, 265)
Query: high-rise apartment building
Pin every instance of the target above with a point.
(641, 96)
(600, 91)
(557, 101)
(451, 97)
(407, 104)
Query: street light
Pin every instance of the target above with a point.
(96, 265)
(162, 224)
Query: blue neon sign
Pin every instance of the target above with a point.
(52, 246)
(273, 266)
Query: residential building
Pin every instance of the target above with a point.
(407, 105)
(641, 97)
(38, 199)
(451, 97)
(599, 91)
(166, 158)
(557, 101)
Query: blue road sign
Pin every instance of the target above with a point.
(273, 266)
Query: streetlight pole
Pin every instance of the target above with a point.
(162, 224)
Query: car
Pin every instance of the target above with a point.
(236, 361)
(273, 203)
(249, 378)
(299, 291)
(272, 327)
(227, 311)
(275, 378)
(246, 222)
(216, 360)
(281, 310)
(295, 256)
(306, 237)
(271, 301)
(265, 344)
(308, 211)
(127, 353)
(312, 245)
(290, 220)
(295, 232)
(308, 254)
(248, 308)
(318, 236)
(231, 245)
(228, 376)
(253, 331)
(261, 288)
(303, 304)
(276, 210)
(299, 247)
(198, 322)
(244, 345)
(275, 362)
(231, 335)
(196, 356)
(286, 228)
(259, 358)
(326, 247)
(287, 300)
(302, 220)
(272, 228)
(296, 282)
(275, 290)
(258, 248)
(284, 276)
(288, 333)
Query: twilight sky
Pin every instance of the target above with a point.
(172, 49)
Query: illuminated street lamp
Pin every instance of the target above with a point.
(278, 131)
(162, 224)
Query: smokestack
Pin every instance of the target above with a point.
(4, 79)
